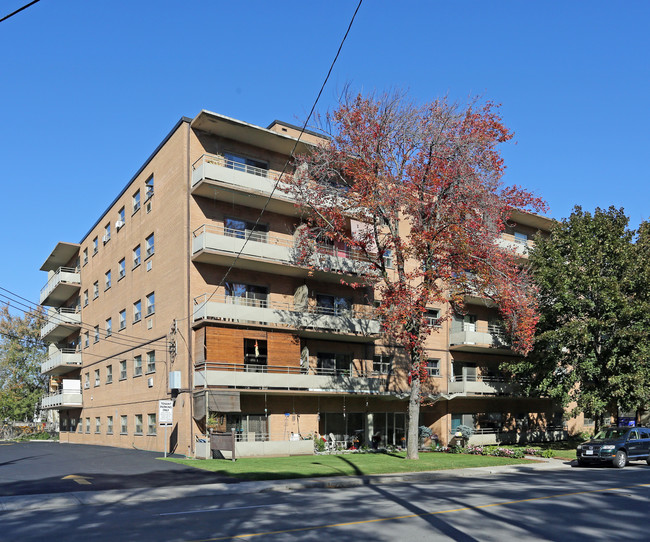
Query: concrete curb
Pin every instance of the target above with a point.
(55, 501)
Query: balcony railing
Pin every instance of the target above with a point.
(482, 385)
(278, 249)
(288, 377)
(261, 311)
(520, 246)
(68, 396)
(495, 337)
(212, 167)
(62, 361)
(61, 285)
(60, 323)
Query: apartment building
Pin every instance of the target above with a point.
(184, 289)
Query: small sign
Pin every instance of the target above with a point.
(165, 411)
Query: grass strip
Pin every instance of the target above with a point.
(280, 468)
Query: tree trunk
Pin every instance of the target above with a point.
(412, 436)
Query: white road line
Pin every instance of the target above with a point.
(215, 510)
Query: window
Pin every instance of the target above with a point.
(247, 165)
(95, 246)
(122, 318)
(433, 367)
(109, 425)
(87, 425)
(381, 364)
(109, 374)
(137, 366)
(138, 424)
(331, 363)
(388, 258)
(86, 339)
(241, 229)
(151, 362)
(85, 256)
(151, 303)
(85, 297)
(120, 219)
(432, 317)
(151, 424)
(96, 334)
(521, 238)
(149, 246)
(107, 233)
(255, 355)
(98, 424)
(137, 311)
(124, 426)
(86, 381)
(109, 327)
(148, 186)
(97, 381)
(121, 269)
(136, 256)
(96, 289)
(245, 294)
(107, 280)
(330, 304)
(136, 201)
(123, 370)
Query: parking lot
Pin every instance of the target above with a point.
(28, 468)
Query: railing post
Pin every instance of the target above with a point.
(232, 436)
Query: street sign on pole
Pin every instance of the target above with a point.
(165, 416)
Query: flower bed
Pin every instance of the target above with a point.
(497, 451)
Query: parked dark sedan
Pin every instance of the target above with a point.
(615, 445)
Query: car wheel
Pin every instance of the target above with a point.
(620, 460)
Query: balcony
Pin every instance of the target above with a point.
(482, 385)
(521, 247)
(61, 361)
(470, 340)
(63, 284)
(287, 378)
(217, 245)
(60, 323)
(67, 396)
(214, 176)
(310, 321)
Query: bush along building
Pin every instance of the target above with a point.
(191, 287)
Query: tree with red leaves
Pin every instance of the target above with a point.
(416, 189)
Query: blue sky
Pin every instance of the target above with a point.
(89, 89)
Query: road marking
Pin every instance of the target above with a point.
(215, 510)
(424, 514)
(81, 480)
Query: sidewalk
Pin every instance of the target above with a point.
(55, 501)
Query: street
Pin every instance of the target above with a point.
(562, 503)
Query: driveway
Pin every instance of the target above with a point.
(28, 468)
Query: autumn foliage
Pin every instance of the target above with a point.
(416, 190)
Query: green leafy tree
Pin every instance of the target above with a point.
(591, 350)
(21, 355)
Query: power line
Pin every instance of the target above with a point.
(291, 154)
(19, 10)
(122, 339)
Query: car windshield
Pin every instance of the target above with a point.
(611, 433)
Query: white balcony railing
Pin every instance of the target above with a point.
(211, 167)
(61, 285)
(481, 385)
(288, 378)
(62, 361)
(260, 311)
(277, 249)
(67, 396)
(520, 246)
(60, 323)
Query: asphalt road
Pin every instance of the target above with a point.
(28, 468)
(561, 504)
(564, 505)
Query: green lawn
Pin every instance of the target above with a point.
(276, 468)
